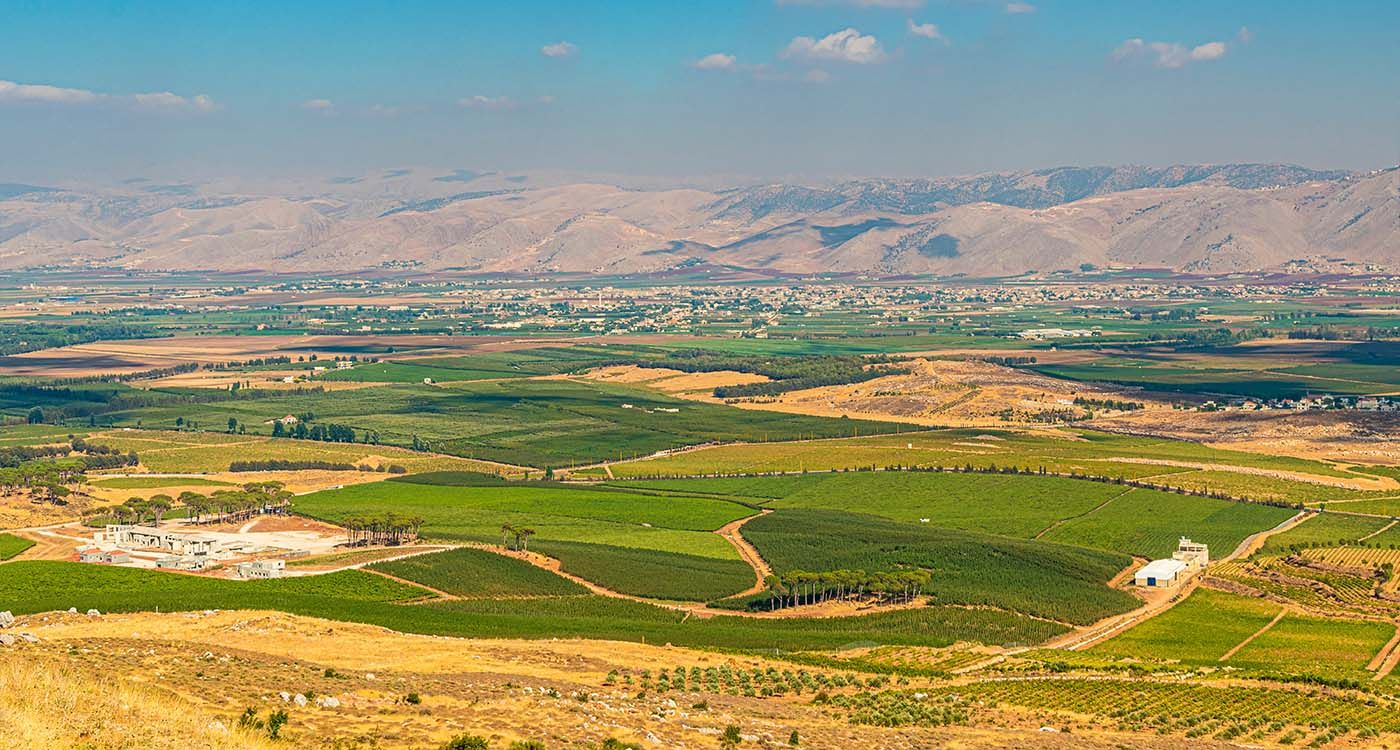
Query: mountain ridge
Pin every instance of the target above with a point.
(1189, 218)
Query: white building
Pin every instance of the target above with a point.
(261, 569)
(146, 537)
(1190, 557)
(1160, 574)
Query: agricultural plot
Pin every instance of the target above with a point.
(1148, 523)
(1323, 530)
(516, 421)
(1199, 630)
(482, 366)
(1037, 578)
(640, 544)
(13, 546)
(1072, 511)
(651, 573)
(168, 451)
(354, 596)
(1194, 710)
(152, 483)
(479, 574)
(1162, 463)
(1315, 645)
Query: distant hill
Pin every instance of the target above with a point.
(1202, 218)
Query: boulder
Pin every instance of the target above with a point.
(6, 619)
(94, 613)
(6, 639)
(28, 638)
(299, 699)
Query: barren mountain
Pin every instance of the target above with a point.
(1205, 219)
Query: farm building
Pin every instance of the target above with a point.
(110, 557)
(185, 562)
(1189, 558)
(1160, 574)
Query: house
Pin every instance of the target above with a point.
(193, 563)
(290, 418)
(1195, 554)
(344, 364)
(261, 569)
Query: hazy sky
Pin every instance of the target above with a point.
(764, 88)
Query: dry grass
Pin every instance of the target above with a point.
(45, 705)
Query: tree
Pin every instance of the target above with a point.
(36, 415)
(158, 506)
(522, 538)
(732, 737)
(232, 424)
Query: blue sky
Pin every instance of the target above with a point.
(763, 88)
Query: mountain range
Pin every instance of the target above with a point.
(1208, 219)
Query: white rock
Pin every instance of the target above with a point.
(94, 613)
(1051, 730)
(299, 699)
(6, 639)
(285, 696)
(7, 619)
(72, 610)
(28, 638)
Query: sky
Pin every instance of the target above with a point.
(759, 88)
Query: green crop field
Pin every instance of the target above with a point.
(652, 573)
(1315, 645)
(354, 596)
(12, 546)
(1323, 530)
(1087, 453)
(1073, 511)
(517, 421)
(1199, 630)
(474, 573)
(1036, 578)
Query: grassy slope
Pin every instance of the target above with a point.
(480, 574)
(12, 546)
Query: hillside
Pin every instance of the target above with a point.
(1205, 219)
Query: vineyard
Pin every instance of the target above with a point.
(473, 573)
(13, 546)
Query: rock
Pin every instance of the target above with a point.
(28, 638)
(6, 619)
(327, 701)
(6, 639)
(299, 699)
(1050, 730)
(94, 613)
(285, 696)
(72, 610)
(370, 676)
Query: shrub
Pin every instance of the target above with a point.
(467, 742)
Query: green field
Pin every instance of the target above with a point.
(12, 546)
(1322, 530)
(1084, 513)
(1205, 627)
(354, 596)
(517, 421)
(643, 544)
(1036, 578)
(1083, 453)
(479, 574)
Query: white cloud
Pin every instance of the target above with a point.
(716, 61)
(1244, 35)
(1019, 8)
(926, 30)
(559, 49)
(325, 106)
(903, 4)
(25, 92)
(1168, 55)
(847, 45)
(489, 103)
(160, 101)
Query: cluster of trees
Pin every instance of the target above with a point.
(46, 470)
(516, 537)
(329, 433)
(1009, 361)
(382, 528)
(1106, 403)
(16, 338)
(275, 464)
(249, 500)
(797, 587)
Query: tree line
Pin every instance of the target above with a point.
(382, 528)
(797, 587)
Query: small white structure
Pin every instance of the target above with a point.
(261, 569)
(1195, 554)
(1160, 574)
(193, 563)
(146, 537)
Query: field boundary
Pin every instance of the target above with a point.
(1267, 627)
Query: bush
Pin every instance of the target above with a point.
(467, 742)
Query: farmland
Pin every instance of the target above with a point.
(473, 573)
(12, 546)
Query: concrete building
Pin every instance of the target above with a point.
(261, 569)
(109, 557)
(146, 537)
(1188, 559)
(1160, 574)
(193, 563)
